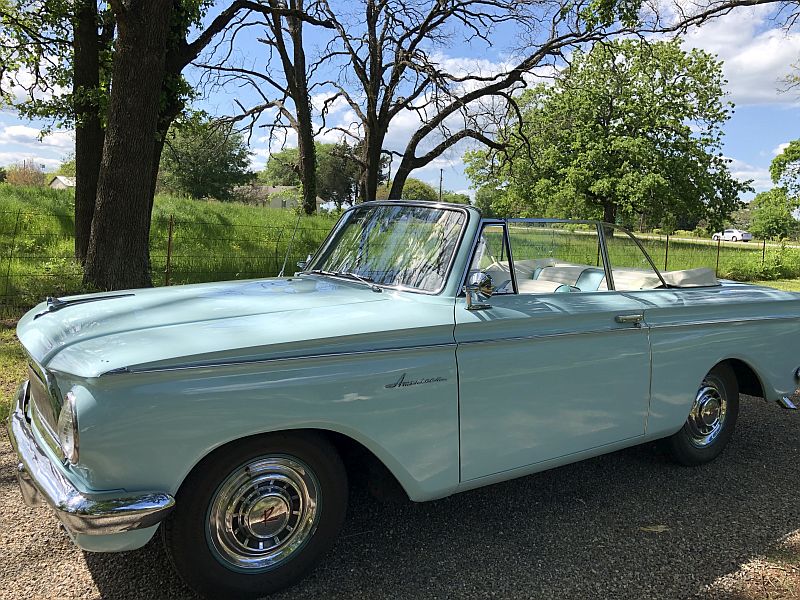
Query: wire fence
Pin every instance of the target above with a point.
(37, 254)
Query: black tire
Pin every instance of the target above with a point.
(715, 237)
(692, 446)
(275, 473)
(734, 239)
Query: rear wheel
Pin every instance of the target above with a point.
(734, 239)
(256, 516)
(715, 237)
(711, 421)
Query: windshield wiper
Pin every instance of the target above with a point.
(348, 275)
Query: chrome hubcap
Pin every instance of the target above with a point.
(708, 415)
(262, 513)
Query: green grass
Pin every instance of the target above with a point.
(737, 261)
(12, 366)
(219, 241)
(210, 241)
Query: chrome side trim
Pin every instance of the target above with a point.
(40, 481)
(785, 402)
(725, 321)
(236, 363)
(559, 334)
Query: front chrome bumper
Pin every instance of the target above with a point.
(81, 513)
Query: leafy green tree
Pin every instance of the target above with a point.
(485, 199)
(61, 46)
(414, 189)
(785, 168)
(67, 166)
(204, 159)
(741, 218)
(282, 168)
(628, 129)
(337, 171)
(772, 214)
(455, 197)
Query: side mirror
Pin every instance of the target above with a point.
(478, 290)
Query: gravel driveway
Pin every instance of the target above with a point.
(626, 525)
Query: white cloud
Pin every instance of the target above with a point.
(23, 84)
(780, 148)
(29, 136)
(12, 158)
(338, 105)
(756, 55)
(744, 171)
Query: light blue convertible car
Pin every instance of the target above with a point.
(447, 350)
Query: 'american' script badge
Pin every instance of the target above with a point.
(403, 382)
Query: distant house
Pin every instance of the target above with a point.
(273, 196)
(60, 182)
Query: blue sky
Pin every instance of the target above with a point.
(756, 53)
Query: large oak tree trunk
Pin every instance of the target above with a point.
(609, 212)
(118, 255)
(308, 171)
(399, 181)
(89, 132)
(371, 157)
(168, 114)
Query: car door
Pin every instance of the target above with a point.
(556, 364)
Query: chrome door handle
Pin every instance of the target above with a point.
(635, 319)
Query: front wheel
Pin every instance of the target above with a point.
(256, 516)
(715, 238)
(711, 420)
(734, 239)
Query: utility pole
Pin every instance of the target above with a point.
(441, 174)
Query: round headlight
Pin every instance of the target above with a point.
(68, 429)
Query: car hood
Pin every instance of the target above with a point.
(197, 324)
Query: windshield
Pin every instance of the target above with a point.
(402, 246)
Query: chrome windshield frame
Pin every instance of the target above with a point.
(312, 264)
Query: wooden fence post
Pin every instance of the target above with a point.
(764, 252)
(168, 267)
(666, 254)
(716, 270)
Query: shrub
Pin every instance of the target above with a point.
(26, 174)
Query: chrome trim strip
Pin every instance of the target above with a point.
(601, 234)
(481, 225)
(511, 268)
(724, 321)
(40, 480)
(786, 403)
(559, 334)
(236, 363)
(646, 255)
(437, 205)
